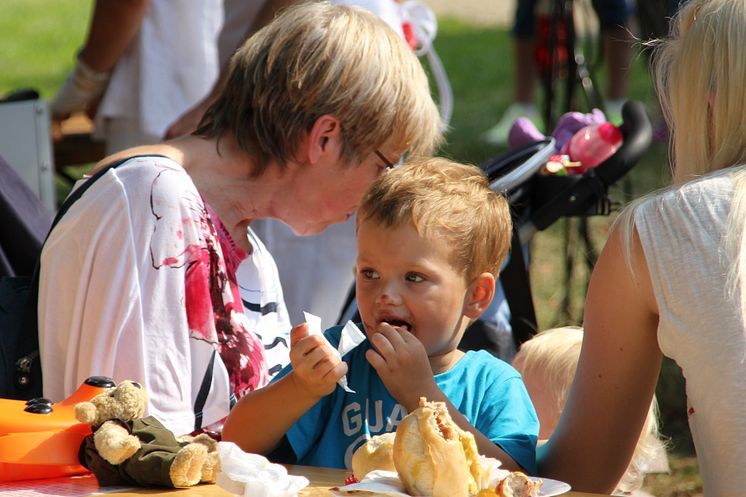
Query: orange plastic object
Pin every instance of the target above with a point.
(36, 445)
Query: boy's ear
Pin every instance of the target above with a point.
(479, 296)
(324, 140)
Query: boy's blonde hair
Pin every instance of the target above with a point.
(444, 198)
(316, 59)
(552, 356)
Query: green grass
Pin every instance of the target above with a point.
(683, 481)
(476, 62)
(39, 39)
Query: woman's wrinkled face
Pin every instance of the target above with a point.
(330, 193)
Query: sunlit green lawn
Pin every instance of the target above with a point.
(38, 42)
(39, 39)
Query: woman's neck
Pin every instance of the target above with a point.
(223, 178)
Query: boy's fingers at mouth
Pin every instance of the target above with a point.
(382, 344)
(375, 359)
(395, 335)
(399, 325)
(384, 327)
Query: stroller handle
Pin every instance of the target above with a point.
(637, 131)
(538, 152)
(580, 195)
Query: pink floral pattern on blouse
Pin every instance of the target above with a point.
(213, 305)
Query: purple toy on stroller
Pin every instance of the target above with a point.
(537, 201)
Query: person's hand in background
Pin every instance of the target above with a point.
(113, 26)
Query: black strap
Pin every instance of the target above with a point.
(283, 453)
(78, 192)
(517, 286)
(204, 391)
(28, 366)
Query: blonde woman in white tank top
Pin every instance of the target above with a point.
(670, 279)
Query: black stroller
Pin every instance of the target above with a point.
(537, 201)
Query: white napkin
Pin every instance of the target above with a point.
(349, 339)
(491, 472)
(387, 483)
(253, 475)
(377, 482)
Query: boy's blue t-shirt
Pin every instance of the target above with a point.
(486, 390)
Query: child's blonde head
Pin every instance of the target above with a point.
(441, 198)
(552, 357)
(320, 59)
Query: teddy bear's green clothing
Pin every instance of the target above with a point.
(149, 466)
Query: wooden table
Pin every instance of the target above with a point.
(321, 480)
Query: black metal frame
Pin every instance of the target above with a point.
(541, 201)
(577, 72)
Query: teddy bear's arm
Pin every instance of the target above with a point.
(114, 442)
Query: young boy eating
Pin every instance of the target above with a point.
(431, 238)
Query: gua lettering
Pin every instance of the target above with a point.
(360, 423)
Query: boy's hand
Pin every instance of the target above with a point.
(402, 363)
(316, 366)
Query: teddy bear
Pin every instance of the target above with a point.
(126, 448)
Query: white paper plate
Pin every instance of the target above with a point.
(387, 484)
(551, 487)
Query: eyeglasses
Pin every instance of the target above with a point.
(389, 165)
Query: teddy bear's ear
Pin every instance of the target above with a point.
(85, 412)
(131, 400)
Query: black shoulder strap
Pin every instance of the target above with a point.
(517, 286)
(78, 192)
(204, 390)
(28, 366)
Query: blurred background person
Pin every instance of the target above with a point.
(614, 19)
(147, 70)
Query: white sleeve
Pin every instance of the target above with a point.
(110, 307)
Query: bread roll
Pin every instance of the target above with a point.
(433, 456)
(376, 453)
(517, 484)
